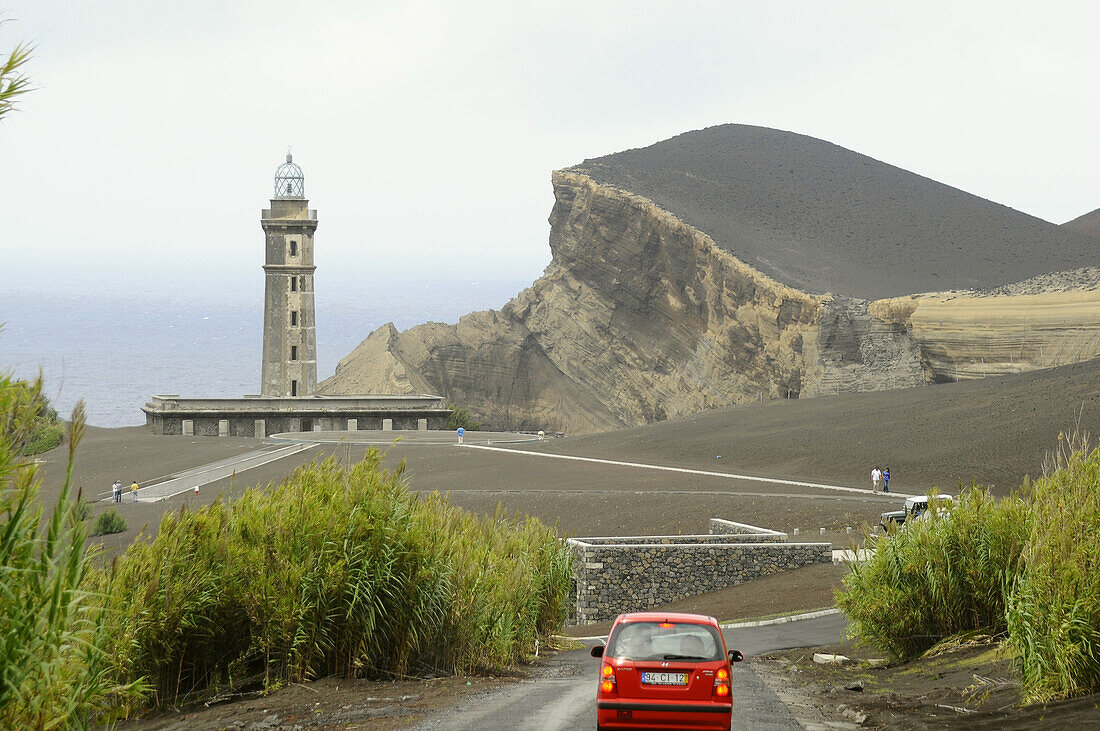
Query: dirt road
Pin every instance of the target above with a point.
(563, 695)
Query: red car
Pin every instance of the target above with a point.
(665, 671)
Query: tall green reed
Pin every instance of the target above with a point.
(1026, 568)
(335, 570)
(53, 672)
(1054, 610)
(938, 576)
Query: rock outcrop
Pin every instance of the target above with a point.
(638, 318)
(1051, 321)
(642, 316)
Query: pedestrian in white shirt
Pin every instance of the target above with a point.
(876, 479)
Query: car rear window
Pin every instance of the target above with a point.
(685, 641)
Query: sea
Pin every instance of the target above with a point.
(114, 348)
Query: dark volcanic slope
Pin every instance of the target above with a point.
(994, 430)
(1088, 224)
(821, 218)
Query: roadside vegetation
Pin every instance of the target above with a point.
(1023, 570)
(335, 571)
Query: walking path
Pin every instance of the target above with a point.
(166, 487)
(687, 471)
(407, 437)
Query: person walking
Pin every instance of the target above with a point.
(886, 480)
(116, 491)
(133, 490)
(876, 478)
(461, 433)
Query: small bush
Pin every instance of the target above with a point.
(939, 576)
(108, 522)
(460, 417)
(44, 438)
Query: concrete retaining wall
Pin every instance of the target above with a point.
(635, 573)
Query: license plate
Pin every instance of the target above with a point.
(665, 678)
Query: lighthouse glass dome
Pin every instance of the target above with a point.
(289, 181)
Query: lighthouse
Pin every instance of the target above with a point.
(290, 328)
(288, 401)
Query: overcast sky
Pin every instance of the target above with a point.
(428, 130)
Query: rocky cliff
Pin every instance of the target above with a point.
(638, 318)
(1041, 323)
(642, 316)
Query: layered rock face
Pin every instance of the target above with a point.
(644, 315)
(962, 335)
(638, 318)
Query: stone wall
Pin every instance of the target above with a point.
(630, 574)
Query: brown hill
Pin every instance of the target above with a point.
(1088, 224)
(821, 218)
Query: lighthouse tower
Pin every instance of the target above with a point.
(290, 332)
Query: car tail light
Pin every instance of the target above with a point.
(608, 679)
(722, 683)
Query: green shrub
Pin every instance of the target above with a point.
(46, 436)
(334, 571)
(939, 576)
(460, 417)
(39, 430)
(108, 522)
(1054, 610)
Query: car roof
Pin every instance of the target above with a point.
(681, 617)
(917, 499)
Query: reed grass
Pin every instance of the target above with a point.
(335, 571)
(1025, 570)
(53, 672)
(1054, 610)
(939, 576)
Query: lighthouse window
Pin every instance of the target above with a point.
(294, 318)
(293, 388)
(294, 248)
(294, 352)
(294, 284)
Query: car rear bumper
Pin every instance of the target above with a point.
(635, 713)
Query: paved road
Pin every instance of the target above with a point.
(563, 695)
(188, 480)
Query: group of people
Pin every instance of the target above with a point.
(116, 491)
(880, 477)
